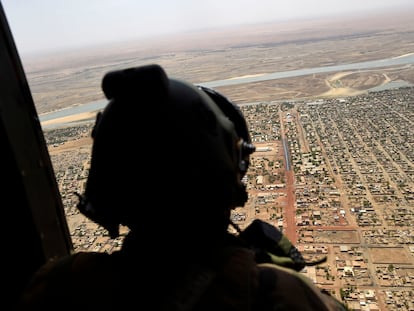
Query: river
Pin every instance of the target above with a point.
(407, 59)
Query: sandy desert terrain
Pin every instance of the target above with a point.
(74, 77)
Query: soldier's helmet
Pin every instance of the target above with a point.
(164, 148)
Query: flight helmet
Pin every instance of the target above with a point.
(164, 147)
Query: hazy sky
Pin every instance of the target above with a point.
(39, 25)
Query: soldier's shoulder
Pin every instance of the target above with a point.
(292, 290)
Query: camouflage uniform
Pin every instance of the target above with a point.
(231, 279)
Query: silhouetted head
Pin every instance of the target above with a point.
(165, 153)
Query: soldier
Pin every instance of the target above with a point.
(168, 159)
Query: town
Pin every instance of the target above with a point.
(336, 176)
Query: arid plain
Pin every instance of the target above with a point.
(74, 78)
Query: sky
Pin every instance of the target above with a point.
(45, 25)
